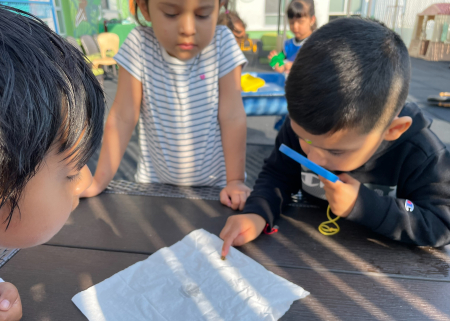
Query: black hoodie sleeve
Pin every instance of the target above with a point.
(278, 180)
(428, 187)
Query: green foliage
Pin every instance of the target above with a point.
(124, 10)
(90, 25)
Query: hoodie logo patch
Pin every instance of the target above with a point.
(409, 206)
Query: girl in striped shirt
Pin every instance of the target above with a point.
(180, 79)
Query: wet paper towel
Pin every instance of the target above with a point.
(189, 281)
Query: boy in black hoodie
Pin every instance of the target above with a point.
(346, 97)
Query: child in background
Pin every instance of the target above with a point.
(232, 20)
(302, 22)
(51, 122)
(346, 96)
(181, 79)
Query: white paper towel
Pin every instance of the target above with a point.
(189, 281)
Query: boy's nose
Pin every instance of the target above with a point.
(85, 181)
(316, 156)
(187, 25)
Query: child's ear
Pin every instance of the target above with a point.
(397, 127)
(313, 21)
(143, 6)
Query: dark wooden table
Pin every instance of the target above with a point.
(354, 275)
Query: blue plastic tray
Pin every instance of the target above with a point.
(268, 100)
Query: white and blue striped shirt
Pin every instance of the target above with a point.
(179, 132)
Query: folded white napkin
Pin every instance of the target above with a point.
(189, 281)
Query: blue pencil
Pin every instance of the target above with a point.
(319, 170)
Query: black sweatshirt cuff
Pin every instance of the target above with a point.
(369, 210)
(259, 205)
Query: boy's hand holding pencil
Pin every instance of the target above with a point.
(342, 194)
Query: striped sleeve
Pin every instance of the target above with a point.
(231, 55)
(130, 54)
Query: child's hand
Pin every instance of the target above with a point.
(288, 66)
(235, 194)
(272, 54)
(341, 195)
(10, 304)
(92, 190)
(241, 229)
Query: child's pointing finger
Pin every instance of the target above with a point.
(228, 241)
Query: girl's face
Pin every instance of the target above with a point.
(301, 27)
(183, 27)
(239, 32)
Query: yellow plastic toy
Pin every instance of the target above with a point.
(248, 45)
(250, 83)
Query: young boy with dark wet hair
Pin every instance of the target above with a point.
(346, 98)
(51, 122)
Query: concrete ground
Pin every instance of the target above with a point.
(428, 78)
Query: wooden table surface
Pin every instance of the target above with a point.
(354, 275)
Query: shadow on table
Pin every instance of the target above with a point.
(361, 275)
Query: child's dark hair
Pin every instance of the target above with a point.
(49, 99)
(303, 8)
(229, 19)
(136, 10)
(350, 73)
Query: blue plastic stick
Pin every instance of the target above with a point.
(309, 164)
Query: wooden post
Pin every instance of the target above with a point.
(279, 36)
(349, 7)
(279, 16)
(395, 15)
(369, 9)
(285, 20)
